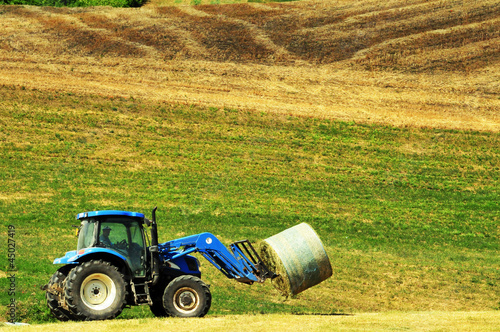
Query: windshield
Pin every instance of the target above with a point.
(86, 234)
(120, 234)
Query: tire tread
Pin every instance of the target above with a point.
(72, 299)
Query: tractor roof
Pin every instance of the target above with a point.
(109, 213)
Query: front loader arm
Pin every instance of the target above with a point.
(247, 268)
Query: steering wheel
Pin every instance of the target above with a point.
(121, 245)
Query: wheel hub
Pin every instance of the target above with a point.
(95, 292)
(186, 300)
(98, 291)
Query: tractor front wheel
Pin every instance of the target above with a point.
(157, 300)
(157, 308)
(187, 296)
(95, 290)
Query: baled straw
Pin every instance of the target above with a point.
(298, 257)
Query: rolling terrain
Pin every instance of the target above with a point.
(404, 63)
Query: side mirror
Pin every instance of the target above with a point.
(147, 222)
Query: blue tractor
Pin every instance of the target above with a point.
(116, 265)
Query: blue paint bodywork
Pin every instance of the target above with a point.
(174, 254)
(234, 264)
(108, 213)
(74, 257)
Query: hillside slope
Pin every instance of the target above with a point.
(409, 217)
(423, 63)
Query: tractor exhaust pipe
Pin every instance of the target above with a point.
(155, 258)
(154, 229)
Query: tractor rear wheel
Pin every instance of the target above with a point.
(187, 296)
(55, 294)
(95, 290)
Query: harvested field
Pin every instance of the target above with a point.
(421, 321)
(404, 63)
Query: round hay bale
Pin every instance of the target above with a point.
(298, 257)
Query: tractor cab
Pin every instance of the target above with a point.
(116, 232)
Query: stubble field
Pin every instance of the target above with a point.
(403, 63)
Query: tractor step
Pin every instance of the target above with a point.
(141, 293)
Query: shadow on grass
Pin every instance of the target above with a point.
(321, 314)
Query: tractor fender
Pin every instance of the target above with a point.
(84, 255)
(66, 259)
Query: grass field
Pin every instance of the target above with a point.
(409, 216)
(387, 321)
(219, 115)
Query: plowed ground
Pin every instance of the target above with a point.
(404, 63)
